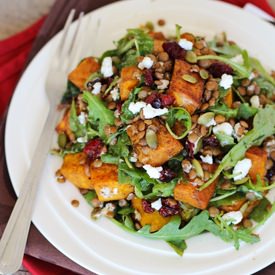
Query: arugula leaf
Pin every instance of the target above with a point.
(260, 212)
(178, 246)
(108, 158)
(178, 29)
(89, 196)
(241, 70)
(227, 49)
(181, 115)
(121, 148)
(263, 127)
(70, 93)
(223, 109)
(77, 128)
(98, 112)
(265, 86)
(224, 139)
(245, 111)
(126, 113)
(162, 189)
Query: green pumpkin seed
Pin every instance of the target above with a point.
(151, 138)
(203, 74)
(191, 57)
(62, 140)
(189, 78)
(198, 168)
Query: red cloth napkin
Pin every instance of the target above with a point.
(13, 55)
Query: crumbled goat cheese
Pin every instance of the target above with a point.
(156, 204)
(82, 118)
(226, 81)
(133, 158)
(114, 94)
(81, 139)
(255, 101)
(151, 112)
(107, 67)
(153, 172)
(146, 62)
(271, 195)
(105, 192)
(211, 122)
(224, 127)
(251, 88)
(164, 84)
(185, 44)
(136, 107)
(238, 59)
(96, 88)
(241, 168)
(207, 159)
(252, 75)
(233, 217)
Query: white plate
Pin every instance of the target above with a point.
(101, 246)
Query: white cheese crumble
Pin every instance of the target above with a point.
(133, 158)
(114, 94)
(107, 67)
(156, 204)
(233, 217)
(81, 139)
(211, 122)
(226, 81)
(185, 44)
(255, 101)
(241, 168)
(151, 112)
(207, 159)
(164, 84)
(224, 127)
(153, 172)
(146, 62)
(96, 88)
(238, 59)
(105, 192)
(136, 107)
(252, 75)
(82, 118)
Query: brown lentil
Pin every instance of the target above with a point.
(75, 203)
(168, 65)
(142, 94)
(163, 56)
(242, 91)
(272, 155)
(257, 90)
(244, 123)
(199, 44)
(219, 119)
(118, 122)
(153, 57)
(204, 63)
(240, 131)
(212, 101)
(207, 95)
(192, 137)
(216, 94)
(236, 104)
(109, 130)
(213, 211)
(269, 164)
(204, 106)
(203, 130)
(141, 126)
(192, 174)
(194, 118)
(159, 75)
(245, 82)
(161, 22)
(211, 85)
(247, 223)
(226, 185)
(96, 202)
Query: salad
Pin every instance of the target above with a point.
(171, 137)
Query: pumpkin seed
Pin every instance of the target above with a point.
(191, 57)
(206, 119)
(203, 74)
(189, 78)
(62, 140)
(151, 138)
(198, 168)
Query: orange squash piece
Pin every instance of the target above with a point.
(228, 99)
(189, 193)
(81, 73)
(258, 156)
(73, 169)
(186, 94)
(154, 219)
(64, 126)
(166, 149)
(129, 80)
(105, 182)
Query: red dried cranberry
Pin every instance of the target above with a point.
(150, 99)
(146, 205)
(189, 148)
(210, 141)
(93, 148)
(148, 77)
(166, 100)
(169, 207)
(174, 50)
(217, 69)
(167, 175)
(119, 106)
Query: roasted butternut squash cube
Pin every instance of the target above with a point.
(64, 126)
(189, 192)
(158, 46)
(105, 182)
(258, 156)
(155, 220)
(167, 146)
(228, 99)
(186, 94)
(81, 73)
(73, 169)
(129, 80)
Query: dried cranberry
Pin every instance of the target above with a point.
(174, 50)
(93, 148)
(150, 99)
(167, 175)
(146, 205)
(157, 103)
(148, 77)
(210, 141)
(166, 100)
(217, 69)
(189, 147)
(169, 207)
(119, 106)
